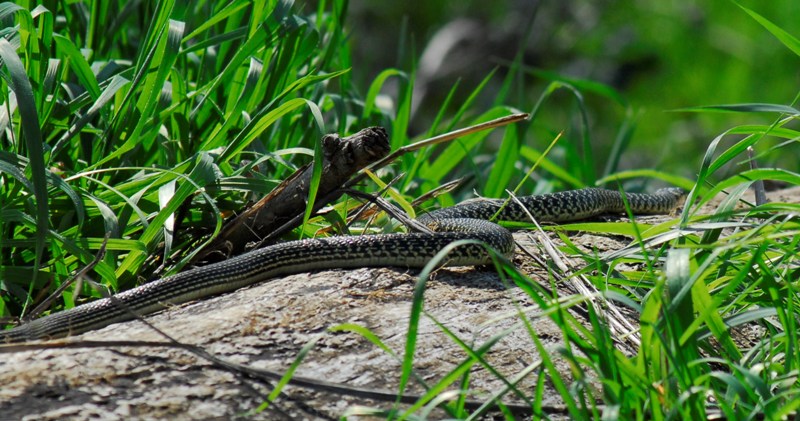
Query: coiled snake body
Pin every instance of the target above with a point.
(414, 250)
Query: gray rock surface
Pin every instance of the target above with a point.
(266, 325)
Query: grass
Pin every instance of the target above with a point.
(153, 121)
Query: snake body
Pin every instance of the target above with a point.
(466, 221)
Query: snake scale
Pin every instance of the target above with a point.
(469, 220)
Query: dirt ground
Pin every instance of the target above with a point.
(266, 325)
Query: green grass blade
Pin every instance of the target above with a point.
(202, 174)
(451, 377)
(247, 50)
(17, 79)
(455, 153)
(678, 181)
(266, 116)
(258, 126)
(276, 391)
(217, 17)
(621, 143)
(110, 222)
(504, 167)
(478, 356)
(73, 196)
(432, 130)
(468, 104)
(415, 315)
(533, 156)
(751, 175)
(583, 165)
(70, 54)
(108, 93)
(784, 37)
(316, 171)
(366, 333)
(582, 85)
(744, 108)
(10, 168)
(375, 89)
(7, 9)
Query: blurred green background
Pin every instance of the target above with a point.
(659, 55)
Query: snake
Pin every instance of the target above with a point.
(471, 220)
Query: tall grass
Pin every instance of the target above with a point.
(153, 121)
(715, 294)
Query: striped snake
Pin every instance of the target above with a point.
(469, 220)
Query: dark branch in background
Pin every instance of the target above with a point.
(282, 209)
(342, 157)
(455, 134)
(290, 224)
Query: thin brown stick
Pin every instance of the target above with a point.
(442, 138)
(324, 199)
(341, 158)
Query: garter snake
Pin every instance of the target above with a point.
(468, 220)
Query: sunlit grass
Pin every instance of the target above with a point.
(154, 134)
